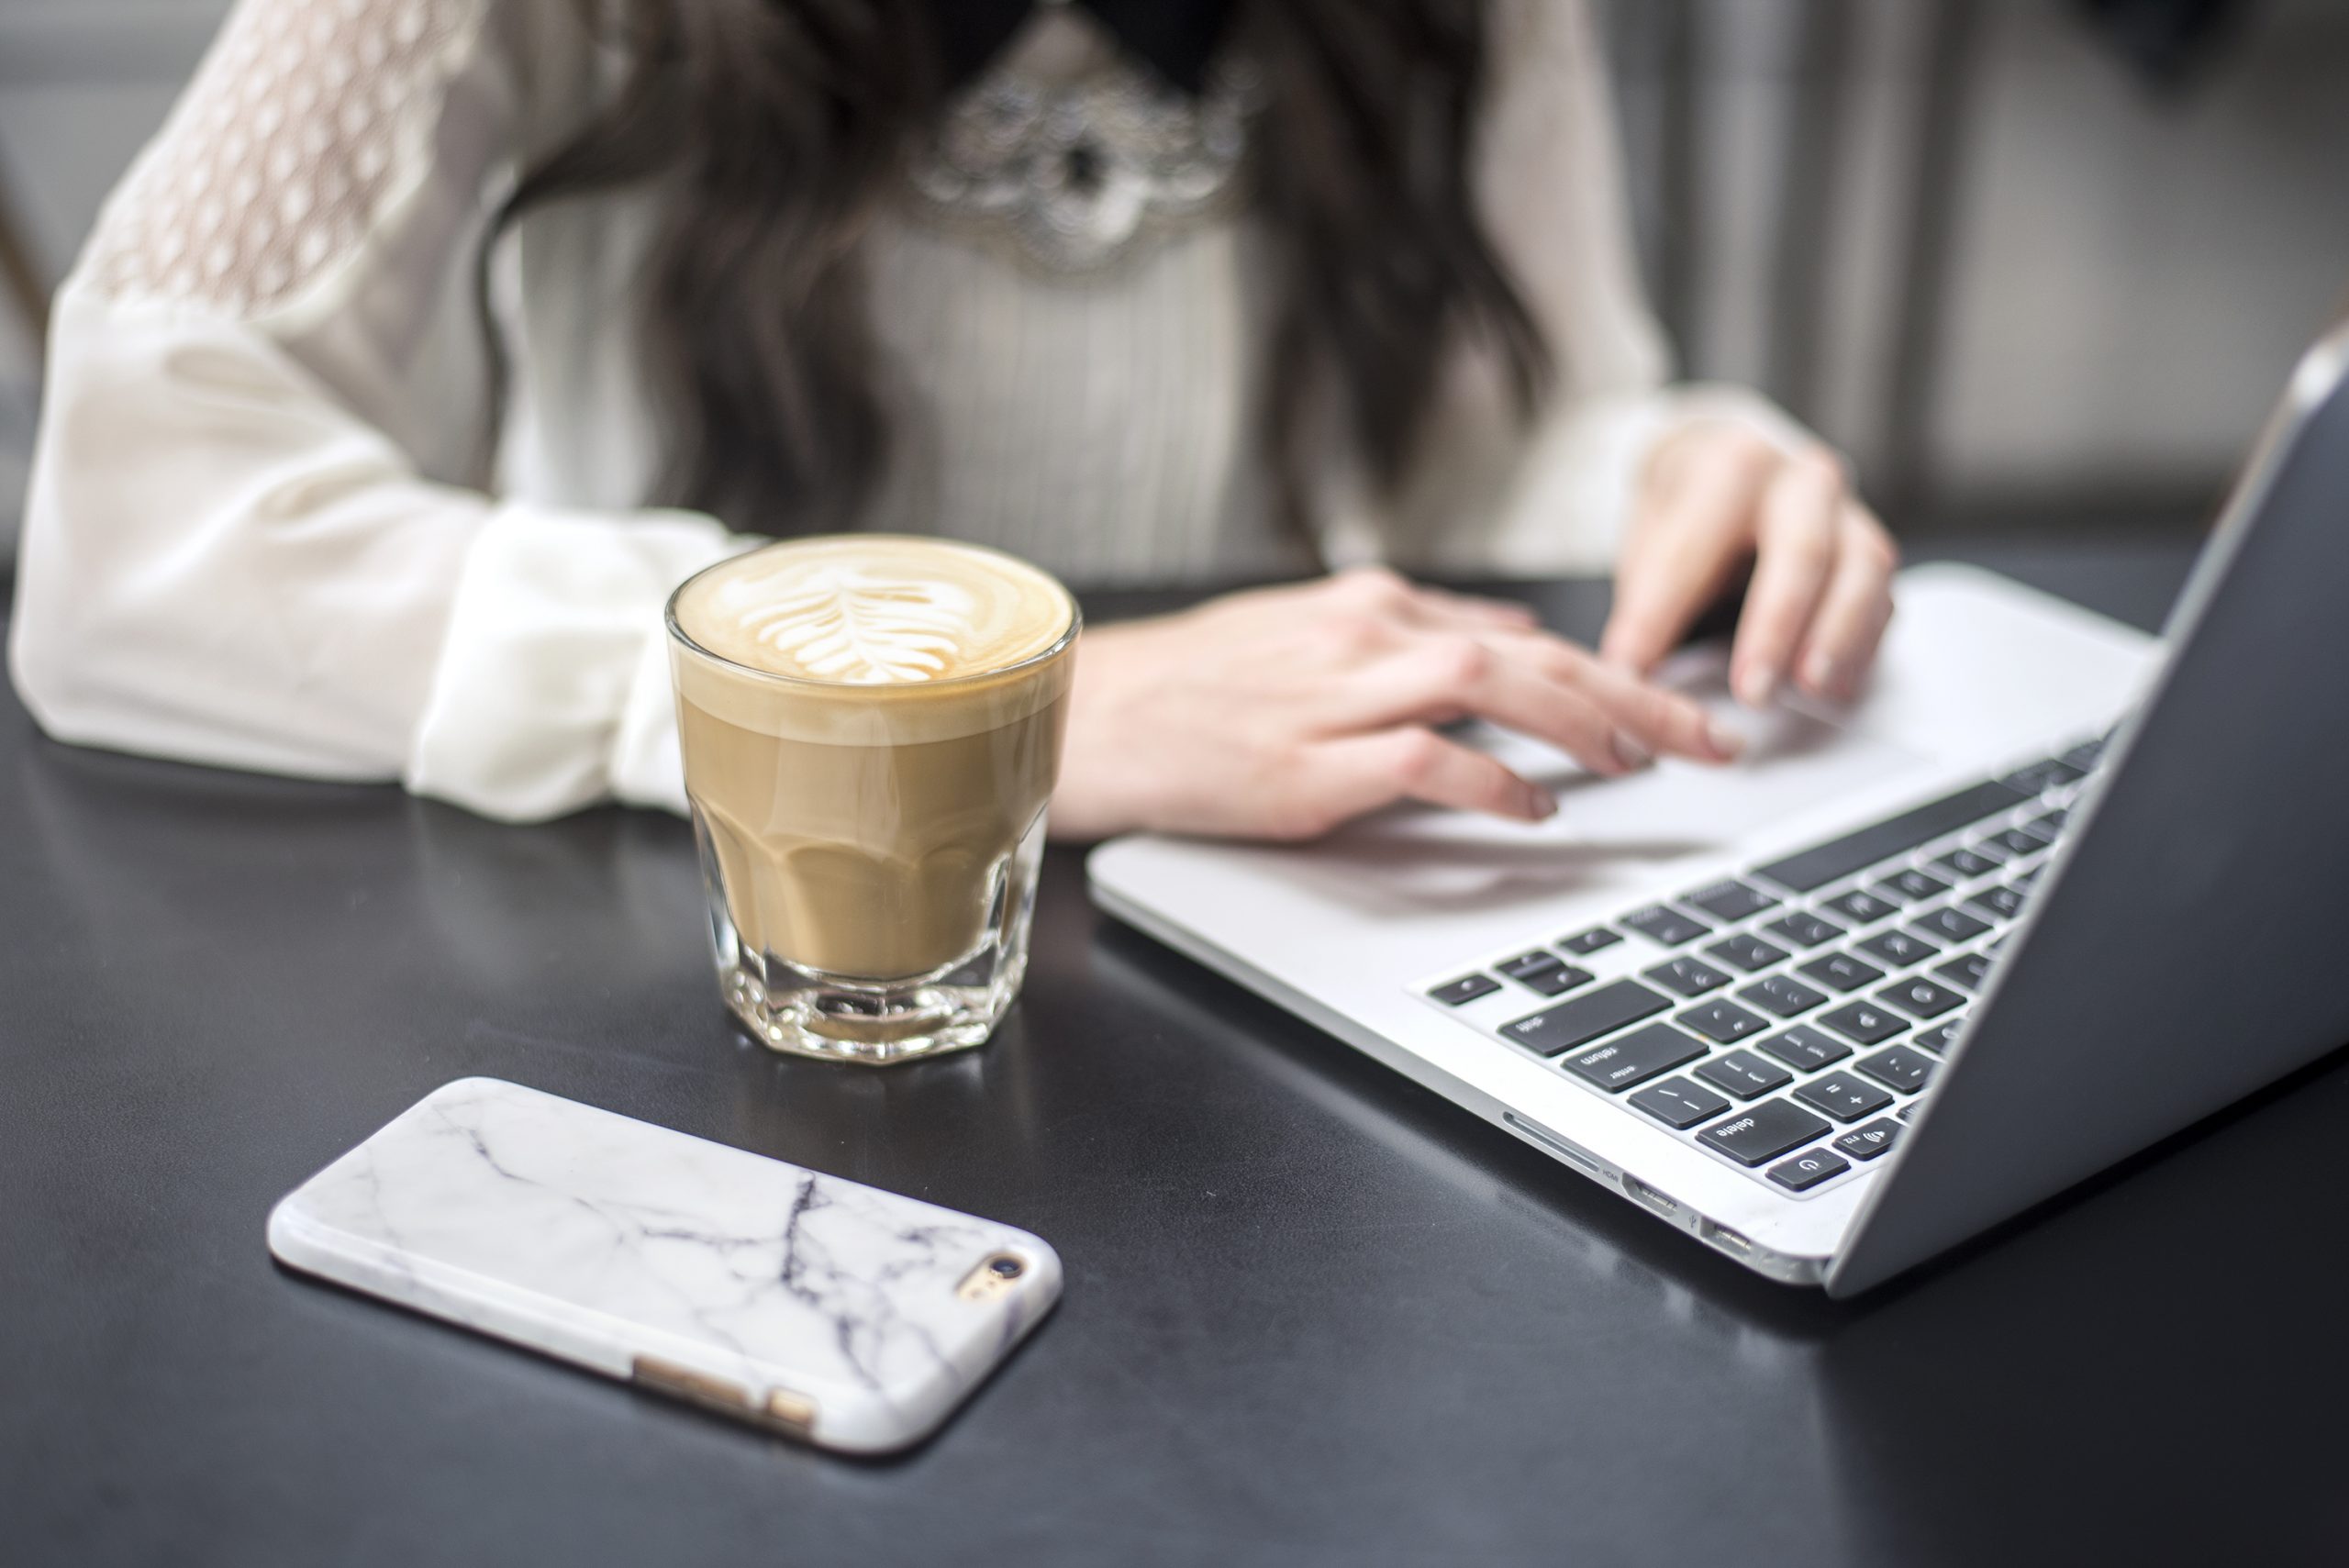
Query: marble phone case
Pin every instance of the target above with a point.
(854, 1319)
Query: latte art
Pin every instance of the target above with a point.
(846, 623)
(875, 609)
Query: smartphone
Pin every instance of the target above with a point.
(846, 1316)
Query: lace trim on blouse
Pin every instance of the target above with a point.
(305, 118)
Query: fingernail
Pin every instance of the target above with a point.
(1540, 804)
(1820, 674)
(1756, 684)
(1726, 742)
(1630, 753)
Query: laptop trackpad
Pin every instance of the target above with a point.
(1607, 830)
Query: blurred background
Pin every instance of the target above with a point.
(2036, 263)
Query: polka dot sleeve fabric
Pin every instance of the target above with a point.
(305, 121)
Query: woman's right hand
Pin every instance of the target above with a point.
(1282, 712)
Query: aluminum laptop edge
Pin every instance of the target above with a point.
(2179, 947)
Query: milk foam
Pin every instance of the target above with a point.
(874, 609)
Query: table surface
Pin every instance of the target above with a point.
(1313, 1312)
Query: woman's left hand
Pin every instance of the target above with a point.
(1716, 497)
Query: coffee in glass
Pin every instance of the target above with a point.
(872, 727)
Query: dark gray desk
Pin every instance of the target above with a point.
(1313, 1314)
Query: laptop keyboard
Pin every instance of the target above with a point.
(1789, 1019)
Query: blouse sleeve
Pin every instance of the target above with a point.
(1549, 175)
(257, 533)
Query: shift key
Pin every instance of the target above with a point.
(1636, 1057)
(1764, 1131)
(1584, 1019)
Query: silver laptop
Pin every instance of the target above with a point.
(2052, 891)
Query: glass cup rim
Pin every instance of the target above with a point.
(1056, 647)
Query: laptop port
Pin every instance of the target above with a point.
(1727, 1240)
(1649, 1196)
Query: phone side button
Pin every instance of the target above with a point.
(685, 1383)
(794, 1413)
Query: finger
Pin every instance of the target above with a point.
(1686, 554)
(1654, 720)
(1797, 537)
(1345, 777)
(1612, 722)
(1853, 612)
(1438, 678)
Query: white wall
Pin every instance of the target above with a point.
(2137, 276)
(2133, 273)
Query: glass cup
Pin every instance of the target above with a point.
(870, 836)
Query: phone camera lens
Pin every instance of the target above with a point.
(1006, 1268)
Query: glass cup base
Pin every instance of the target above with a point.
(804, 1012)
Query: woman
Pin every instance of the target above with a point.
(433, 342)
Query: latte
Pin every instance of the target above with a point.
(871, 728)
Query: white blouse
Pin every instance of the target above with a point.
(261, 532)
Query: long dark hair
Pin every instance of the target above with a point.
(774, 128)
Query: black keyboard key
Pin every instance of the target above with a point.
(1764, 1131)
(1635, 1058)
(1468, 988)
(1590, 941)
(1690, 976)
(1936, 1039)
(1745, 1074)
(1910, 886)
(2086, 755)
(2017, 842)
(1919, 997)
(1806, 1048)
(1897, 949)
(1723, 1021)
(1746, 952)
(1668, 926)
(2042, 776)
(1899, 1068)
(1588, 1016)
(1782, 995)
(2005, 903)
(2025, 879)
(2052, 825)
(1556, 979)
(1804, 930)
(1809, 1168)
(1967, 863)
(1859, 908)
(1867, 1142)
(1865, 1022)
(1908, 1112)
(1817, 867)
(1950, 924)
(1843, 1096)
(1967, 970)
(1842, 971)
(1729, 902)
(1542, 971)
(1676, 1102)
